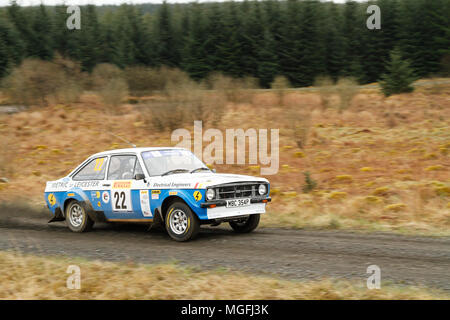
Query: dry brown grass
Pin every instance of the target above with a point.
(279, 85)
(31, 277)
(325, 85)
(351, 154)
(37, 82)
(181, 104)
(114, 92)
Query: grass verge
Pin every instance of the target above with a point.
(32, 277)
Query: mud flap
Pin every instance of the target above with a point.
(157, 222)
(57, 217)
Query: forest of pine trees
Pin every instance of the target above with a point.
(300, 40)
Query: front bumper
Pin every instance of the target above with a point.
(217, 209)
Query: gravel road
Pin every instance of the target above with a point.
(293, 254)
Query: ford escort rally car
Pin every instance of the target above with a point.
(158, 186)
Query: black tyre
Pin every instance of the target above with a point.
(77, 218)
(246, 225)
(181, 223)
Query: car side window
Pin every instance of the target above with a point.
(93, 170)
(121, 167)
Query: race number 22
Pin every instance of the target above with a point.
(121, 200)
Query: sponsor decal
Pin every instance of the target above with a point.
(156, 191)
(86, 184)
(173, 193)
(122, 185)
(70, 194)
(97, 194)
(155, 196)
(171, 185)
(145, 203)
(199, 185)
(59, 185)
(99, 204)
(197, 195)
(105, 196)
(64, 185)
(51, 199)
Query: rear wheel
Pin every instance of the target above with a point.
(77, 218)
(246, 225)
(181, 223)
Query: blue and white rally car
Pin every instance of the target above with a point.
(169, 186)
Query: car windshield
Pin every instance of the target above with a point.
(159, 162)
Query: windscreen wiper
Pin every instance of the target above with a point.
(174, 171)
(201, 168)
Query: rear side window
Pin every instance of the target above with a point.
(94, 170)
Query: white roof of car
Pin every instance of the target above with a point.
(132, 150)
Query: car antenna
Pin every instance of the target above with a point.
(123, 139)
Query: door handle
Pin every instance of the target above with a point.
(106, 185)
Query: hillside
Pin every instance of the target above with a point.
(380, 164)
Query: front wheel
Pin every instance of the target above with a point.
(246, 225)
(76, 217)
(181, 223)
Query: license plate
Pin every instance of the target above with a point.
(238, 203)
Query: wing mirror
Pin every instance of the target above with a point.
(139, 176)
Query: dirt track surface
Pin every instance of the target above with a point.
(294, 254)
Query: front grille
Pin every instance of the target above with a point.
(241, 190)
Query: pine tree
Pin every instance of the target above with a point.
(4, 59)
(123, 47)
(12, 49)
(312, 43)
(251, 37)
(42, 43)
(398, 77)
(21, 22)
(442, 37)
(231, 49)
(352, 31)
(290, 46)
(194, 58)
(334, 42)
(138, 36)
(167, 53)
(268, 66)
(88, 37)
(430, 48)
(273, 20)
(108, 36)
(215, 24)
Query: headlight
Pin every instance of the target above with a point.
(210, 194)
(262, 189)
